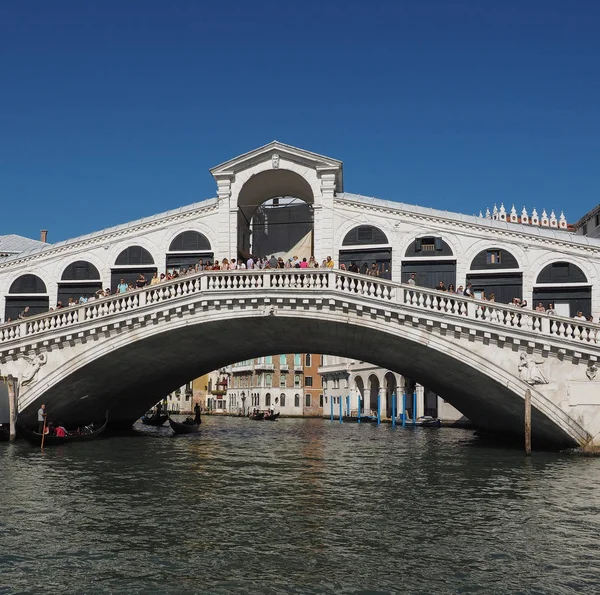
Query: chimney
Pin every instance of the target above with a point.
(43, 235)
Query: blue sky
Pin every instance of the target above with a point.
(111, 111)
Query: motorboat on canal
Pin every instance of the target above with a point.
(83, 434)
(186, 427)
(154, 420)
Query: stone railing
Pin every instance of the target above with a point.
(310, 282)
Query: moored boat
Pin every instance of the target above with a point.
(154, 420)
(270, 416)
(186, 427)
(90, 432)
(257, 415)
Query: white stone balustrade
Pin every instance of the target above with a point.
(371, 288)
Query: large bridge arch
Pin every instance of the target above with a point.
(127, 370)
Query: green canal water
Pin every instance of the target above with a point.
(297, 506)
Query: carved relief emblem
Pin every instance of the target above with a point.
(275, 161)
(32, 367)
(529, 371)
(591, 370)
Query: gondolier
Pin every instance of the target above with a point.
(41, 418)
(197, 419)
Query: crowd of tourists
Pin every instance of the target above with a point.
(274, 262)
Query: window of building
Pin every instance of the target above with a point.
(307, 360)
(597, 220)
(283, 359)
(269, 380)
(282, 400)
(269, 359)
(308, 381)
(584, 229)
(297, 383)
(268, 400)
(320, 400)
(429, 244)
(307, 400)
(297, 359)
(493, 257)
(261, 378)
(282, 380)
(296, 400)
(322, 360)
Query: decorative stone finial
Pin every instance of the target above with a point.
(562, 222)
(514, 218)
(487, 214)
(544, 221)
(524, 216)
(535, 219)
(553, 220)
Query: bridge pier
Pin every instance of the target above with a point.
(12, 406)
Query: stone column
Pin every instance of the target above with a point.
(420, 400)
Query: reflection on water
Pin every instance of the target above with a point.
(296, 506)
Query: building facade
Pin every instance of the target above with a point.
(288, 383)
(349, 384)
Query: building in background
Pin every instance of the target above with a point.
(288, 383)
(589, 224)
(345, 381)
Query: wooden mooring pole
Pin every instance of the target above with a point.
(528, 422)
(12, 406)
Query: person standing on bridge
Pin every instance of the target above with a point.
(140, 281)
(122, 286)
(41, 418)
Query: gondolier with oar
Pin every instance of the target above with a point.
(42, 418)
(197, 419)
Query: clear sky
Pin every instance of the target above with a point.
(115, 110)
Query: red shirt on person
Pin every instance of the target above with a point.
(60, 432)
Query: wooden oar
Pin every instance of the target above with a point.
(43, 433)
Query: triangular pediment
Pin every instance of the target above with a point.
(266, 152)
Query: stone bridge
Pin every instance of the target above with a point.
(125, 352)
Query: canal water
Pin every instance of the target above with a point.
(297, 506)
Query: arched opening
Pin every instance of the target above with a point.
(187, 250)
(130, 264)
(391, 388)
(275, 215)
(495, 277)
(373, 392)
(566, 286)
(360, 390)
(431, 260)
(80, 279)
(26, 291)
(364, 246)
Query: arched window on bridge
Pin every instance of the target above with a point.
(26, 290)
(431, 260)
(364, 245)
(566, 286)
(495, 271)
(187, 249)
(79, 279)
(130, 263)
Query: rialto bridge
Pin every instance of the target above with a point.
(124, 352)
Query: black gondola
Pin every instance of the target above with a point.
(154, 420)
(36, 439)
(186, 427)
(257, 415)
(271, 416)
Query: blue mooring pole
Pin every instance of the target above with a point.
(393, 410)
(331, 403)
(358, 414)
(404, 409)
(379, 408)
(414, 411)
(341, 405)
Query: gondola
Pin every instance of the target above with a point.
(271, 416)
(258, 416)
(36, 439)
(184, 428)
(154, 420)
